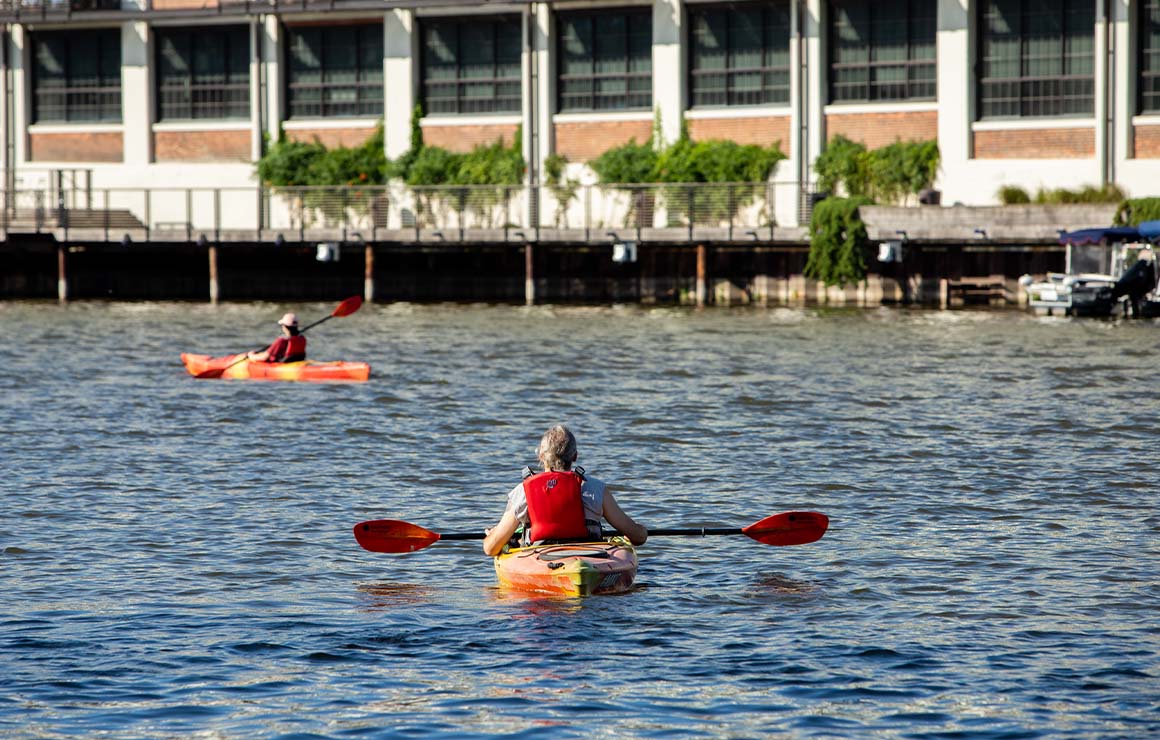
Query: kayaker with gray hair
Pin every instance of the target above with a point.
(290, 347)
(560, 504)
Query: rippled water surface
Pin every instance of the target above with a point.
(177, 557)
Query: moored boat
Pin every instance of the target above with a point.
(237, 367)
(575, 569)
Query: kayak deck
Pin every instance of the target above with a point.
(307, 370)
(575, 569)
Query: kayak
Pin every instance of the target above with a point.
(579, 569)
(309, 370)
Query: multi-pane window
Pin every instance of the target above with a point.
(203, 73)
(739, 54)
(882, 50)
(1036, 58)
(1149, 56)
(335, 71)
(471, 65)
(605, 60)
(77, 76)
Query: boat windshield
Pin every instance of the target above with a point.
(1089, 258)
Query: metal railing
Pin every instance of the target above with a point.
(482, 213)
(58, 10)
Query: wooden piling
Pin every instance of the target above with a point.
(214, 288)
(369, 274)
(61, 274)
(529, 276)
(702, 274)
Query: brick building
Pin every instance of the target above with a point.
(165, 93)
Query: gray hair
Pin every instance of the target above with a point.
(557, 449)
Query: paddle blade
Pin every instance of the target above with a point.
(214, 373)
(347, 307)
(391, 535)
(789, 528)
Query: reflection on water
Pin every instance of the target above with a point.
(385, 596)
(177, 560)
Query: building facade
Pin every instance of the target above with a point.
(186, 93)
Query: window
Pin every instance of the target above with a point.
(472, 65)
(739, 54)
(605, 60)
(1036, 58)
(203, 73)
(882, 50)
(77, 76)
(1149, 56)
(335, 71)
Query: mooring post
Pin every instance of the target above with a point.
(61, 274)
(702, 269)
(529, 276)
(214, 292)
(369, 274)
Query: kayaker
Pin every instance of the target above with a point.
(561, 503)
(290, 347)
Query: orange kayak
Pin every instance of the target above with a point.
(569, 570)
(204, 366)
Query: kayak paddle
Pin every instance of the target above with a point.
(788, 528)
(346, 308)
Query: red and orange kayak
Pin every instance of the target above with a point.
(580, 569)
(204, 366)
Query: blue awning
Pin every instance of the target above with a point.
(1095, 236)
(1150, 230)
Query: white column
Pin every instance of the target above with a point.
(271, 58)
(21, 60)
(136, 93)
(955, 97)
(255, 90)
(668, 67)
(814, 57)
(538, 113)
(1103, 91)
(1125, 85)
(400, 64)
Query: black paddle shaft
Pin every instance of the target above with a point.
(699, 532)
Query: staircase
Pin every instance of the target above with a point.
(35, 220)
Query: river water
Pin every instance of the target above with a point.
(176, 555)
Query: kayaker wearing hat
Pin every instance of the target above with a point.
(290, 347)
(560, 504)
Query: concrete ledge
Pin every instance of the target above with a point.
(1038, 223)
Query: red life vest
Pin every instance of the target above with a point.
(555, 507)
(288, 349)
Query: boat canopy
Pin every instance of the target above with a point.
(1113, 235)
(1150, 230)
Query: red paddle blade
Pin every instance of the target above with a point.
(347, 307)
(392, 535)
(789, 528)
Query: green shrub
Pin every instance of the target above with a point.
(1010, 195)
(1108, 193)
(845, 164)
(629, 163)
(887, 174)
(838, 242)
(1135, 211)
(902, 169)
(563, 188)
(289, 163)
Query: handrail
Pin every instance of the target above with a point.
(671, 212)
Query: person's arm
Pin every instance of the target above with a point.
(272, 353)
(622, 522)
(499, 535)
